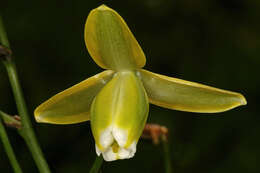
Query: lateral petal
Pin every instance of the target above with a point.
(188, 96)
(73, 104)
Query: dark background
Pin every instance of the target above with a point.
(215, 42)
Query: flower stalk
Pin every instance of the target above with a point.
(26, 130)
(167, 156)
(97, 165)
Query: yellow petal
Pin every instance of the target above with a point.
(110, 42)
(188, 96)
(73, 104)
(119, 111)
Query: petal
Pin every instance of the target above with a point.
(73, 104)
(110, 42)
(120, 109)
(188, 96)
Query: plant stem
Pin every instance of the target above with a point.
(3, 37)
(97, 164)
(167, 157)
(8, 148)
(26, 130)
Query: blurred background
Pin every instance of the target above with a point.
(213, 42)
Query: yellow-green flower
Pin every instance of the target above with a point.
(116, 101)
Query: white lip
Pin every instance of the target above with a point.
(110, 136)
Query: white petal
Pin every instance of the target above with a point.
(109, 155)
(120, 136)
(132, 148)
(106, 138)
(124, 153)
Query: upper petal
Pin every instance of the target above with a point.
(110, 42)
(188, 96)
(73, 104)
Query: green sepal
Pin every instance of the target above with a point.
(72, 105)
(110, 42)
(188, 96)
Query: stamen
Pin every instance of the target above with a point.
(115, 147)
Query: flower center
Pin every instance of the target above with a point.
(115, 147)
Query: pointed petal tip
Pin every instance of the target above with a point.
(243, 100)
(39, 119)
(103, 7)
(240, 102)
(38, 116)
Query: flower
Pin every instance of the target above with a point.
(116, 101)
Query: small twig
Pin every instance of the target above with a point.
(157, 134)
(11, 121)
(97, 164)
(8, 148)
(5, 53)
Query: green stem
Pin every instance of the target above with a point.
(97, 164)
(167, 157)
(3, 37)
(26, 130)
(8, 148)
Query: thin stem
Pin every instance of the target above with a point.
(26, 130)
(97, 164)
(167, 157)
(3, 37)
(8, 148)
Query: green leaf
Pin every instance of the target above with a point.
(188, 96)
(73, 104)
(110, 42)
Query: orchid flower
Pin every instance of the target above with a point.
(116, 101)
